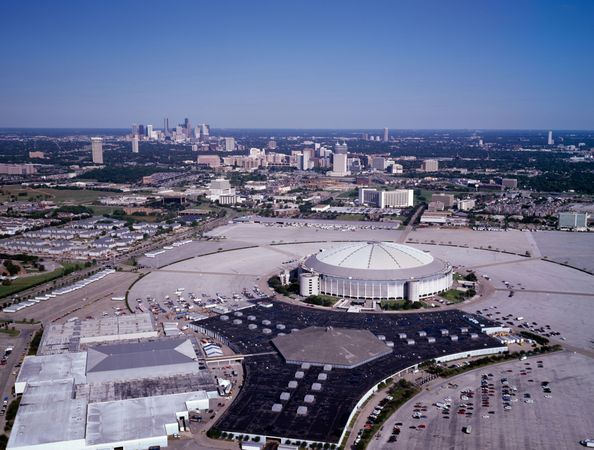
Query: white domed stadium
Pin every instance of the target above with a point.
(375, 271)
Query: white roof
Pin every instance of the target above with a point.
(136, 418)
(375, 256)
(54, 367)
(384, 261)
(49, 413)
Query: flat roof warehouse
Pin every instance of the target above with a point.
(128, 394)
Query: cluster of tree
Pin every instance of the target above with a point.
(275, 283)
(396, 305)
(11, 268)
(121, 174)
(321, 300)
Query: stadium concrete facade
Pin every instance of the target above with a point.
(375, 271)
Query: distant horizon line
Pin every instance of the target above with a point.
(305, 128)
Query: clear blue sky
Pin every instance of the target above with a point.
(320, 64)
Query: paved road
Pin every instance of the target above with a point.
(20, 347)
(411, 224)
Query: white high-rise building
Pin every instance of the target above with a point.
(399, 198)
(204, 130)
(135, 144)
(303, 160)
(550, 140)
(229, 144)
(149, 131)
(339, 165)
(97, 150)
(386, 135)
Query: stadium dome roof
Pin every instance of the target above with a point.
(375, 261)
(375, 256)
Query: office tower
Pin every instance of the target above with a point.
(97, 150)
(399, 198)
(550, 140)
(149, 131)
(204, 130)
(229, 144)
(141, 130)
(303, 160)
(135, 144)
(197, 132)
(339, 164)
(134, 129)
(187, 128)
(379, 163)
(386, 135)
(341, 149)
(448, 200)
(430, 165)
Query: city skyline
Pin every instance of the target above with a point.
(425, 65)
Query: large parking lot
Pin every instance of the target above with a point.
(542, 402)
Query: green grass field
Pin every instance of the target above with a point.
(57, 195)
(453, 295)
(424, 193)
(20, 284)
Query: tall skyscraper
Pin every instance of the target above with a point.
(187, 128)
(134, 129)
(229, 144)
(97, 150)
(303, 160)
(550, 140)
(339, 165)
(341, 149)
(149, 131)
(135, 144)
(386, 135)
(166, 126)
(204, 130)
(141, 130)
